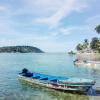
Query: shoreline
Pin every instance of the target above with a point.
(88, 56)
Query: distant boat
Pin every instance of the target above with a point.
(57, 83)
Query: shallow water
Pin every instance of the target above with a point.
(57, 64)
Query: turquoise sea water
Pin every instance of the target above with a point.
(58, 64)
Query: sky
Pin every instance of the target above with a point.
(51, 25)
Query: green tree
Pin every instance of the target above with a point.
(86, 41)
(94, 43)
(97, 28)
(85, 44)
(98, 46)
(79, 47)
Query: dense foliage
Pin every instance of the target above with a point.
(97, 29)
(83, 46)
(94, 44)
(20, 49)
(79, 47)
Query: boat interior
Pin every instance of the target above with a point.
(44, 77)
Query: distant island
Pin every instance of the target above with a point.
(20, 49)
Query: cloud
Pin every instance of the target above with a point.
(44, 43)
(51, 46)
(5, 21)
(43, 7)
(65, 10)
(17, 27)
(94, 20)
(45, 12)
(5, 26)
(2, 8)
(69, 30)
(62, 31)
(66, 31)
(26, 40)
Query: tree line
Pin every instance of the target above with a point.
(94, 44)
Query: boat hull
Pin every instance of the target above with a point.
(69, 87)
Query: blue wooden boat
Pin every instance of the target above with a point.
(58, 83)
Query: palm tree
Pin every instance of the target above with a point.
(79, 47)
(85, 44)
(97, 29)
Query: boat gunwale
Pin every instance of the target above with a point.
(62, 83)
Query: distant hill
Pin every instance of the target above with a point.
(20, 49)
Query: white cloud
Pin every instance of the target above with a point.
(64, 31)
(5, 26)
(5, 21)
(43, 7)
(44, 43)
(65, 10)
(2, 8)
(47, 12)
(51, 46)
(26, 40)
(94, 20)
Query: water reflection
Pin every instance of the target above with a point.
(96, 67)
(41, 93)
